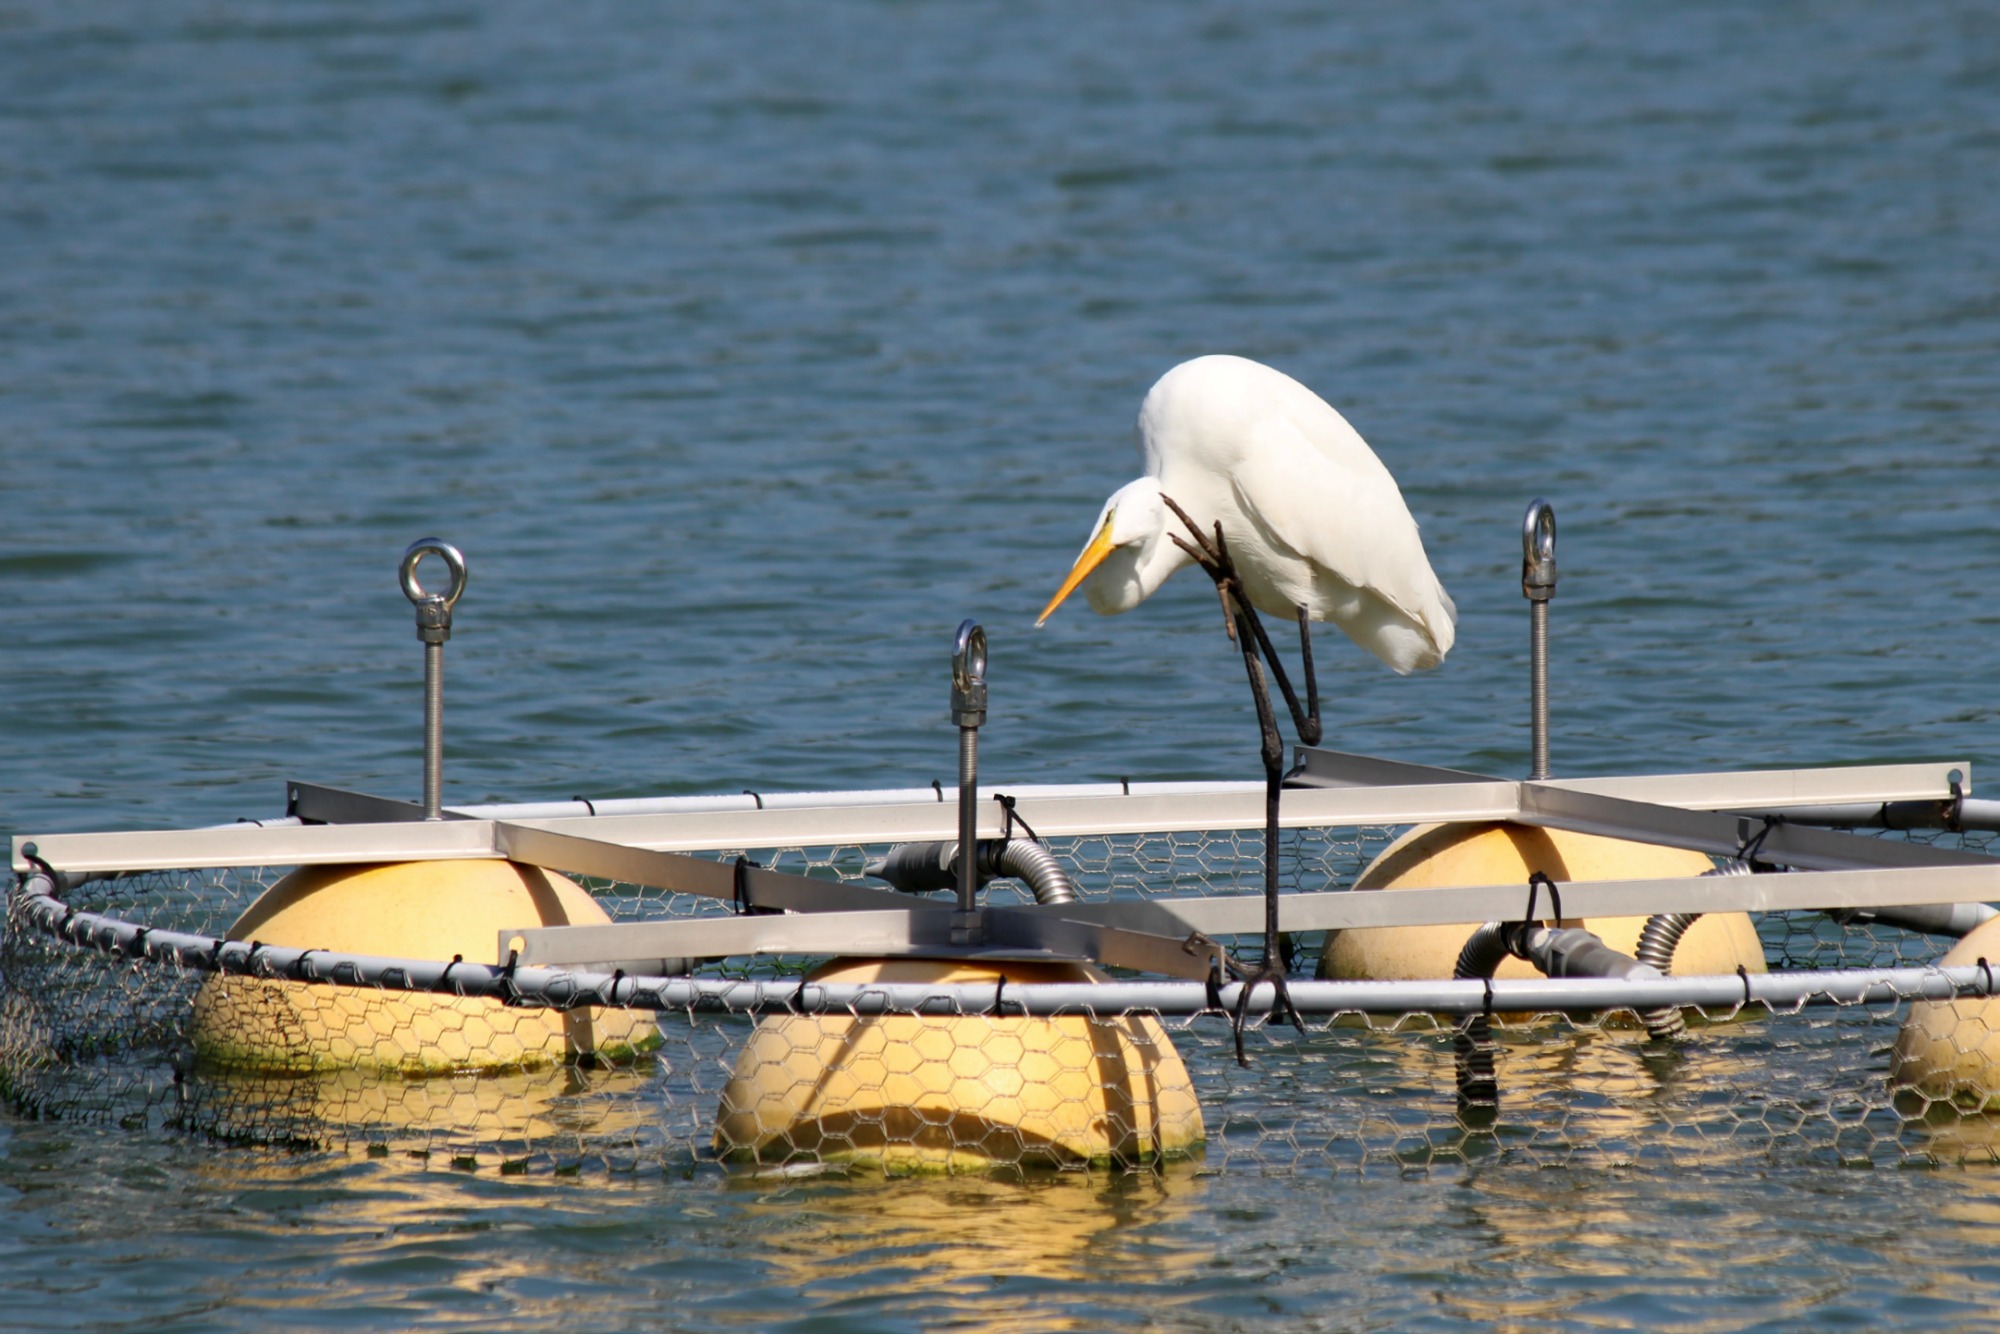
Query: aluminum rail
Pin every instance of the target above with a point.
(1117, 931)
(710, 804)
(1982, 816)
(1751, 789)
(1184, 808)
(1242, 914)
(562, 989)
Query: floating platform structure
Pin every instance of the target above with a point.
(1035, 976)
(896, 1029)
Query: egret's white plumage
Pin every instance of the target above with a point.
(1311, 516)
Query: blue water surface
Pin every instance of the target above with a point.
(747, 349)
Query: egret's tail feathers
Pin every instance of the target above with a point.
(1406, 643)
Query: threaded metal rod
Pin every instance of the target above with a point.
(968, 819)
(1538, 685)
(1538, 585)
(433, 731)
(433, 628)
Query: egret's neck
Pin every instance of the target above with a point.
(1145, 554)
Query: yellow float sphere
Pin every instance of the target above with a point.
(924, 1093)
(1455, 855)
(414, 910)
(1949, 1051)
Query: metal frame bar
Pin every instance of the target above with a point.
(1724, 835)
(1047, 934)
(1168, 936)
(1866, 786)
(1163, 808)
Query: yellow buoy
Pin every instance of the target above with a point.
(1452, 855)
(1949, 1051)
(947, 1093)
(416, 910)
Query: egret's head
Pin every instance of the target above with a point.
(1128, 556)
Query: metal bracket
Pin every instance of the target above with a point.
(318, 804)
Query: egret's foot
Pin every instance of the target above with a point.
(1212, 555)
(1211, 552)
(1281, 1006)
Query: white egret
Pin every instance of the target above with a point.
(1311, 517)
(1289, 512)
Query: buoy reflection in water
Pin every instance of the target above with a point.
(485, 1120)
(961, 1242)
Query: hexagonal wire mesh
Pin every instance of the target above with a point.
(96, 1036)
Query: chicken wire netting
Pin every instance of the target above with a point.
(105, 1037)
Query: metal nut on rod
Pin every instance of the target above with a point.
(433, 609)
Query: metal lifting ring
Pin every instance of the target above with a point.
(426, 546)
(968, 675)
(968, 654)
(1538, 551)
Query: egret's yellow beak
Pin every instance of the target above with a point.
(1093, 556)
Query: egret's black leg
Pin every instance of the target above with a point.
(1305, 721)
(1212, 554)
(1309, 731)
(1213, 557)
(1272, 751)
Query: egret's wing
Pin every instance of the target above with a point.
(1327, 498)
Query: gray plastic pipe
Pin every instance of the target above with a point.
(922, 868)
(1933, 919)
(1558, 952)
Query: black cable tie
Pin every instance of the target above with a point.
(1126, 784)
(999, 996)
(797, 1003)
(588, 804)
(1487, 1004)
(299, 966)
(1955, 821)
(1747, 852)
(1214, 982)
(1744, 974)
(938, 788)
(741, 890)
(40, 865)
(1988, 971)
(756, 797)
(1014, 817)
(1536, 880)
(138, 950)
(445, 976)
